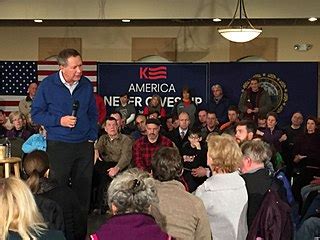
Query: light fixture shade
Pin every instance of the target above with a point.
(243, 33)
(240, 35)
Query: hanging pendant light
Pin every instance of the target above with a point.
(242, 33)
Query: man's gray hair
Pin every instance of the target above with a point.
(65, 54)
(132, 191)
(257, 150)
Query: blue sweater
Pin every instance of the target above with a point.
(53, 101)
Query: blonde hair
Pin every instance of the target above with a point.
(224, 152)
(14, 114)
(18, 210)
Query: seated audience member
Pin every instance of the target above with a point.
(175, 121)
(202, 119)
(233, 117)
(219, 103)
(194, 156)
(36, 167)
(29, 125)
(36, 141)
(130, 196)
(184, 213)
(25, 104)
(18, 130)
(5, 124)
(169, 124)
(245, 130)
(113, 154)
(311, 206)
(140, 123)
(272, 134)
(127, 110)
(180, 135)
(144, 147)
(122, 128)
(293, 131)
(4, 121)
(211, 126)
(156, 115)
(154, 105)
(20, 217)
(262, 122)
(258, 179)
(312, 187)
(310, 229)
(185, 105)
(307, 155)
(224, 194)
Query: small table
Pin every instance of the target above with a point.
(16, 164)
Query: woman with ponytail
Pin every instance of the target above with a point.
(58, 204)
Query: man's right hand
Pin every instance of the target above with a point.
(68, 121)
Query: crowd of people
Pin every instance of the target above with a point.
(214, 172)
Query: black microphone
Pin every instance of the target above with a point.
(75, 107)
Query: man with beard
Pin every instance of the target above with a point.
(245, 130)
(145, 147)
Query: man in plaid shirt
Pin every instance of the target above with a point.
(146, 146)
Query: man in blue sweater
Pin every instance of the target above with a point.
(64, 104)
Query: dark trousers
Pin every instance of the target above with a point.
(72, 163)
(101, 182)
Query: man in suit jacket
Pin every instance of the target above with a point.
(180, 135)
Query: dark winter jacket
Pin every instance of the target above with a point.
(273, 220)
(74, 222)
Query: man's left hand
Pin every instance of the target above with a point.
(113, 171)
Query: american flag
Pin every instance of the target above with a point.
(15, 77)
